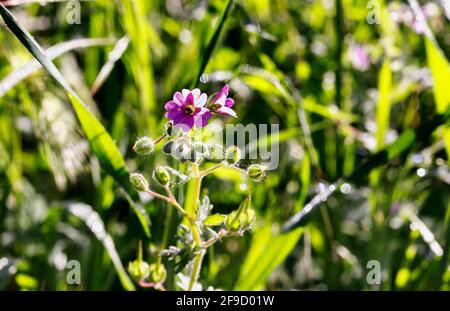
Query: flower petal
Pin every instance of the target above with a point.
(189, 99)
(196, 93)
(178, 98)
(225, 111)
(170, 105)
(175, 115)
(229, 102)
(201, 119)
(186, 122)
(185, 92)
(201, 100)
(225, 89)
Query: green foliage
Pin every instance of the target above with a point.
(363, 170)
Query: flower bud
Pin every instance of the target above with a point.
(161, 175)
(167, 148)
(248, 218)
(232, 155)
(233, 223)
(144, 146)
(256, 172)
(169, 128)
(139, 269)
(158, 273)
(139, 182)
(242, 218)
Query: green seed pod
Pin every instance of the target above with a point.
(233, 222)
(158, 273)
(256, 172)
(248, 218)
(144, 146)
(139, 269)
(232, 155)
(139, 182)
(242, 218)
(161, 175)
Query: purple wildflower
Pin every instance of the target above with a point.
(222, 103)
(417, 26)
(188, 109)
(359, 57)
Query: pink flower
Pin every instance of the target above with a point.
(359, 57)
(222, 103)
(417, 27)
(187, 109)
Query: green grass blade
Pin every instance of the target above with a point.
(101, 142)
(206, 55)
(266, 253)
(96, 225)
(440, 70)
(402, 145)
(53, 52)
(384, 103)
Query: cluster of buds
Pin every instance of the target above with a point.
(144, 272)
(188, 111)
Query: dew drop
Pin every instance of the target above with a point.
(345, 188)
(421, 172)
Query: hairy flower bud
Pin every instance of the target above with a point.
(144, 146)
(139, 269)
(161, 175)
(232, 155)
(248, 218)
(256, 172)
(158, 273)
(167, 148)
(139, 182)
(169, 128)
(242, 218)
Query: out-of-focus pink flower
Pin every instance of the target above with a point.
(359, 58)
(416, 26)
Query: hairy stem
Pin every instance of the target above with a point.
(211, 169)
(171, 200)
(197, 186)
(195, 233)
(196, 268)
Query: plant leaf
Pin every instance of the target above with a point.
(53, 52)
(440, 70)
(100, 141)
(266, 253)
(214, 220)
(96, 225)
(384, 102)
(206, 55)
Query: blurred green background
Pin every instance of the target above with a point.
(341, 86)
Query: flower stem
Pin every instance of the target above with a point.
(196, 196)
(195, 233)
(211, 169)
(196, 268)
(160, 139)
(171, 200)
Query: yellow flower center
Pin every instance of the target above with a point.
(189, 109)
